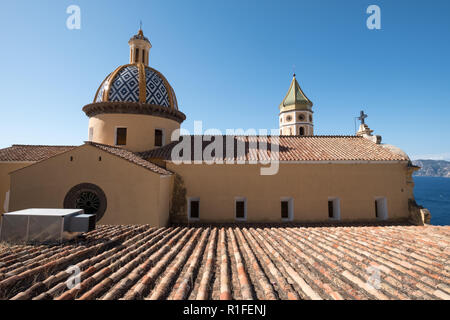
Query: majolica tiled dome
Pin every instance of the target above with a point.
(137, 83)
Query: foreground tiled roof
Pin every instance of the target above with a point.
(130, 156)
(290, 262)
(297, 148)
(31, 152)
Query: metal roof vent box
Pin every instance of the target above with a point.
(44, 225)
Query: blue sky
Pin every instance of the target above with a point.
(230, 63)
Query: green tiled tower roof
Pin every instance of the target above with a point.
(296, 98)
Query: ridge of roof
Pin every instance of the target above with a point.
(294, 149)
(130, 157)
(269, 136)
(43, 145)
(31, 153)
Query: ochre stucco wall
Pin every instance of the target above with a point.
(310, 186)
(5, 169)
(133, 192)
(140, 129)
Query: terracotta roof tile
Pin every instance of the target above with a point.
(31, 152)
(235, 262)
(130, 156)
(296, 148)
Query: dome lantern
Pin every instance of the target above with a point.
(139, 48)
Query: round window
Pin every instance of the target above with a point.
(310, 118)
(301, 117)
(288, 118)
(87, 196)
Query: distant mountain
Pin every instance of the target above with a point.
(433, 168)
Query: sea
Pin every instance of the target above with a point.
(433, 193)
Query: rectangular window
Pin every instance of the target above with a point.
(284, 210)
(334, 208)
(240, 208)
(376, 208)
(121, 136)
(136, 58)
(330, 209)
(302, 131)
(381, 212)
(158, 138)
(194, 208)
(287, 209)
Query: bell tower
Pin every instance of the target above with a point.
(139, 48)
(296, 115)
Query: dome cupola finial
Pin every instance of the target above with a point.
(139, 48)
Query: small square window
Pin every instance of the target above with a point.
(121, 136)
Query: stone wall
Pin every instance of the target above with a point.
(178, 207)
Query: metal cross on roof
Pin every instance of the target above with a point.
(362, 117)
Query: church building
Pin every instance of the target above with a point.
(128, 172)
